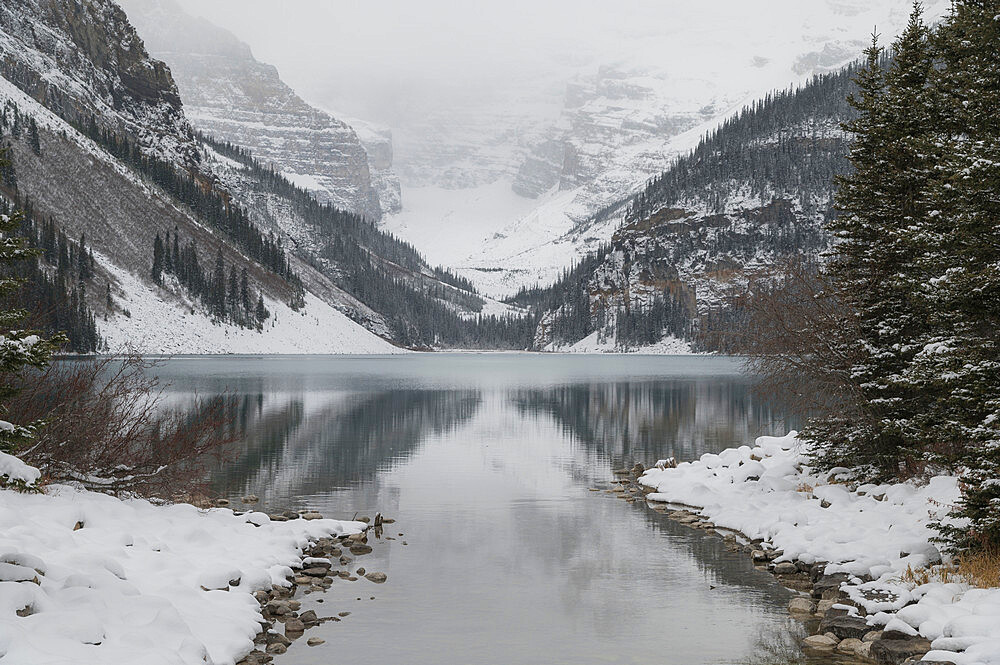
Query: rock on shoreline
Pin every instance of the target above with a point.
(841, 625)
(280, 609)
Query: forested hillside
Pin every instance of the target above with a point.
(754, 193)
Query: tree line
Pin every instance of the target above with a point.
(225, 294)
(53, 281)
(205, 203)
(898, 330)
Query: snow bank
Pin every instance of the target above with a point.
(137, 583)
(13, 469)
(870, 531)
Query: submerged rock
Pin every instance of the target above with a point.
(820, 642)
(800, 605)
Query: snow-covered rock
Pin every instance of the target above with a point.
(137, 583)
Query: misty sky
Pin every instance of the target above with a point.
(369, 58)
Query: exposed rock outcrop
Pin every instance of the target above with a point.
(84, 60)
(231, 95)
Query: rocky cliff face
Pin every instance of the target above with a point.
(83, 60)
(234, 97)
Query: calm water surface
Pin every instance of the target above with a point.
(486, 462)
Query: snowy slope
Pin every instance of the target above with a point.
(157, 323)
(109, 198)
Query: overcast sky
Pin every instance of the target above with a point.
(366, 57)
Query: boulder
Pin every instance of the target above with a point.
(845, 627)
(785, 568)
(849, 646)
(894, 652)
(378, 578)
(820, 642)
(315, 571)
(800, 605)
(294, 626)
(827, 587)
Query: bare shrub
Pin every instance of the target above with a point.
(797, 337)
(106, 428)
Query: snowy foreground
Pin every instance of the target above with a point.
(137, 583)
(867, 531)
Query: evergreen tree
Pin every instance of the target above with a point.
(168, 258)
(177, 252)
(883, 203)
(157, 271)
(219, 285)
(84, 259)
(960, 363)
(245, 292)
(233, 295)
(33, 139)
(21, 349)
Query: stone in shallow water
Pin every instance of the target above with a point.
(800, 606)
(820, 642)
(378, 578)
(315, 641)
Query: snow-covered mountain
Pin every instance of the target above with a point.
(229, 94)
(638, 105)
(87, 63)
(187, 233)
(751, 196)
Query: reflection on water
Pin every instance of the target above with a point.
(486, 463)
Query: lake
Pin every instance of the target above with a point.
(501, 552)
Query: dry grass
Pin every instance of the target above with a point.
(980, 569)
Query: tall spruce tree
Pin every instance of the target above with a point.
(157, 271)
(960, 362)
(884, 201)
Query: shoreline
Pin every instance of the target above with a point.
(279, 607)
(87, 578)
(848, 550)
(820, 604)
